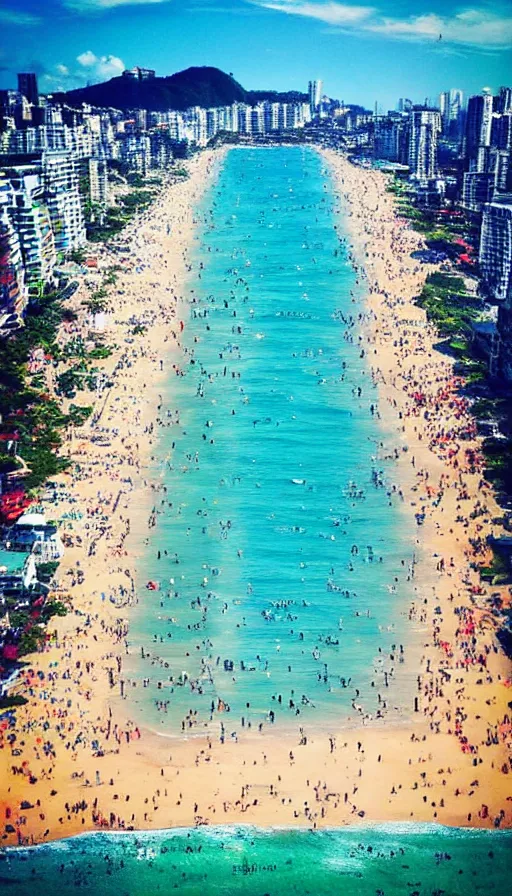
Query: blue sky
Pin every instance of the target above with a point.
(364, 53)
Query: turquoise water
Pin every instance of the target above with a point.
(285, 583)
(396, 860)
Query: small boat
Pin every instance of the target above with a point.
(299, 481)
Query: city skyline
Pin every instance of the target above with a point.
(420, 50)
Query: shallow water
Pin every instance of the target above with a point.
(391, 860)
(292, 556)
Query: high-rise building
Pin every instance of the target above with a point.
(15, 105)
(496, 248)
(456, 114)
(315, 96)
(444, 109)
(135, 152)
(30, 218)
(98, 181)
(389, 134)
(477, 189)
(504, 100)
(27, 86)
(61, 193)
(271, 117)
(13, 292)
(496, 266)
(424, 128)
(451, 103)
(501, 150)
(478, 129)
(258, 119)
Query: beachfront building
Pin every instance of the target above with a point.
(18, 574)
(496, 248)
(242, 123)
(496, 266)
(33, 535)
(258, 119)
(197, 126)
(13, 290)
(424, 127)
(32, 221)
(390, 138)
(161, 147)
(62, 196)
(271, 116)
(135, 152)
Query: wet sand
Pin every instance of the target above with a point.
(79, 760)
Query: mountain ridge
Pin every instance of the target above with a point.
(204, 86)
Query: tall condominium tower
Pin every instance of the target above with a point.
(496, 266)
(315, 95)
(505, 100)
(424, 128)
(478, 127)
(451, 108)
(27, 86)
(496, 248)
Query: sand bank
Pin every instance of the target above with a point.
(83, 764)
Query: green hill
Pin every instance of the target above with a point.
(204, 86)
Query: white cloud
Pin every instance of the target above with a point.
(474, 27)
(13, 17)
(101, 66)
(87, 6)
(110, 66)
(470, 27)
(58, 78)
(331, 13)
(87, 59)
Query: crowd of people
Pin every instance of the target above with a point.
(74, 754)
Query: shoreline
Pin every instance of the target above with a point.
(276, 788)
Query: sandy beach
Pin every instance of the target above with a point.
(76, 756)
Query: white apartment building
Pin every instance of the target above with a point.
(424, 128)
(31, 218)
(13, 290)
(98, 180)
(135, 152)
(60, 181)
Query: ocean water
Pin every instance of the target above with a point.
(284, 555)
(395, 860)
